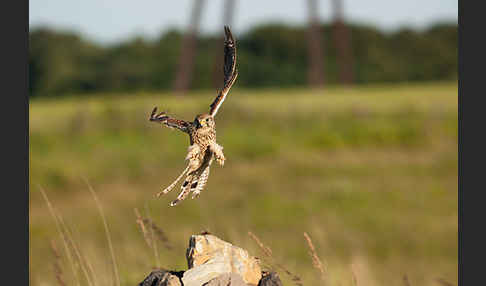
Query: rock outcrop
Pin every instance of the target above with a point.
(270, 279)
(226, 279)
(162, 278)
(208, 257)
(214, 262)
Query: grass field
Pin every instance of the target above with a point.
(370, 173)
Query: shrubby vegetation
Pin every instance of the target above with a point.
(272, 55)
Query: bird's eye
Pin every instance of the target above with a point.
(207, 119)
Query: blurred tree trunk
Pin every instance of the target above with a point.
(315, 48)
(188, 50)
(342, 44)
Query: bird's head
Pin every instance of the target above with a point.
(204, 121)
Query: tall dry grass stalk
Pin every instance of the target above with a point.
(140, 222)
(443, 282)
(265, 249)
(316, 262)
(107, 232)
(268, 252)
(152, 236)
(76, 251)
(62, 235)
(405, 280)
(158, 231)
(57, 265)
(353, 274)
(71, 247)
(83, 262)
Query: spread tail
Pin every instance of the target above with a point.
(185, 189)
(171, 186)
(201, 183)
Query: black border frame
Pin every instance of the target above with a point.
(470, 160)
(15, 140)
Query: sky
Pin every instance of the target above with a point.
(111, 21)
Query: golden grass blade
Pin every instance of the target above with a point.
(84, 264)
(443, 282)
(140, 222)
(405, 280)
(107, 232)
(91, 269)
(57, 265)
(61, 234)
(265, 249)
(316, 262)
(154, 243)
(268, 252)
(76, 250)
(353, 274)
(159, 233)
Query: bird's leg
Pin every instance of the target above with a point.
(218, 152)
(193, 154)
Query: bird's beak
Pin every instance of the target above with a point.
(197, 123)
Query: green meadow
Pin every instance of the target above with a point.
(369, 172)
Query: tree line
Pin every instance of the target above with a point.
(272, 55)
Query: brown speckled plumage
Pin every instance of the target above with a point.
(203, 148)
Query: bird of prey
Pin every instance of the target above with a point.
(202, 132)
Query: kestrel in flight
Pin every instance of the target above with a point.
(202, 132)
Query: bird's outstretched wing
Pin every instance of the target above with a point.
(162, 117)
(230, 71)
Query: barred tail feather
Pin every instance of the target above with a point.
(201, 183)
(185, 190)
(171, 186)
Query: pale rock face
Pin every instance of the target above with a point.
(232, 279)
(209, 257)
(171, 280)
